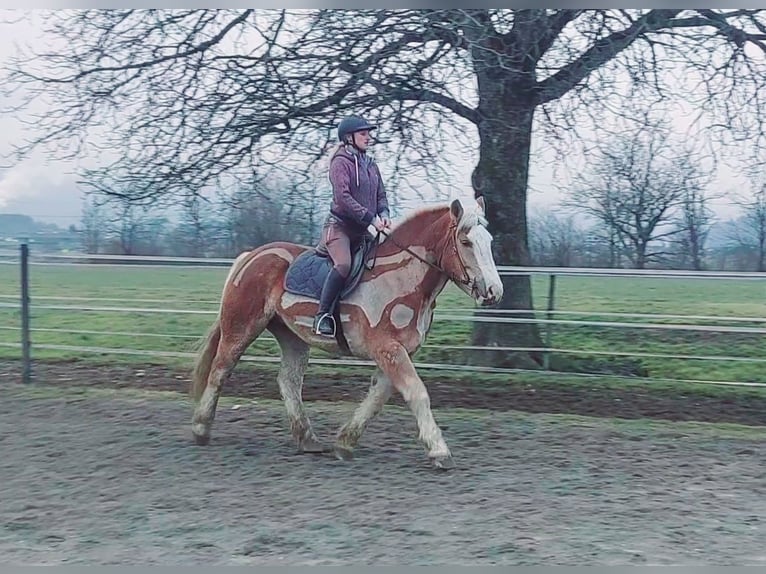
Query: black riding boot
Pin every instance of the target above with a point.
(324, 322)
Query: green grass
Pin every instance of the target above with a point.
(713, 297)
(199, 289)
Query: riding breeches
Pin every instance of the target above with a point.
(338, 243)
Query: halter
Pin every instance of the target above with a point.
(466, 280)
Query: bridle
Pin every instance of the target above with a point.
(466, 280)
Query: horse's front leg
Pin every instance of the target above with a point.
(394, 361)
(351, 432)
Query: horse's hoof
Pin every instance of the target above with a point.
(201, 439)
(311, 446)
(443, 462)
(343, 453)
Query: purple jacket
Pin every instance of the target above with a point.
(358, 194)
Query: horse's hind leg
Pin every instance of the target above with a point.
(350, 433)
(215, 365)
(226, 358)
(295, 359)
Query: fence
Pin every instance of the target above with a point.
(23, 259)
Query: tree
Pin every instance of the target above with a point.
(194, 225)
(126, 228)
(638, 182)
(255, 221)
(693, 224)
(749, 231)
(192, 97)
(556, 240)
(92, 226)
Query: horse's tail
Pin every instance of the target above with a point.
(206, 349)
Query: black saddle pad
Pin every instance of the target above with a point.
(306, 275)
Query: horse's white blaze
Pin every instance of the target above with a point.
(482, 246)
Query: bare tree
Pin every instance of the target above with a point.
(637, 183)
(194, 226)
(749, 231)
(125, 227)
(693, 223)
(256, 222)
(194, 97)
(556, 240)
(128, 228)
(605, 246)
(92, 226)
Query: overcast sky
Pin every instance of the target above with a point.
(48, 190)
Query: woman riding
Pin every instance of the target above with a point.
(358, 200)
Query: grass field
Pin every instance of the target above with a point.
(198, 289)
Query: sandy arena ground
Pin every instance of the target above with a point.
(106, 473)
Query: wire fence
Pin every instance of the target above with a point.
(692, 323)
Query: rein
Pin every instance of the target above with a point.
(465, 281)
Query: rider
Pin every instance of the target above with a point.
(358, 200)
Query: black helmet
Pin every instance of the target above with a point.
(353, 124)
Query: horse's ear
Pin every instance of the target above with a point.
(456, 210)
(482, 207)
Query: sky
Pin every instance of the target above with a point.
(45, 190)
(48, 191)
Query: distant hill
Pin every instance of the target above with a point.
(15, 225)
(45, 237)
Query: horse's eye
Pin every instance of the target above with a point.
(466, 242)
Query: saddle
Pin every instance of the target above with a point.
(306, 274)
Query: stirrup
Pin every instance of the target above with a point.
(318, 323)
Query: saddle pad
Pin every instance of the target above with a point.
(307, 273)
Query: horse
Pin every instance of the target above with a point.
(385, 318)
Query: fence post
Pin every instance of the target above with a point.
(549, 315)
(26, 373)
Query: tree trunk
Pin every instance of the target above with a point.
(695, 246)
(501, 176)
(641, 256)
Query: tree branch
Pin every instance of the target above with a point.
(601, 52)
(556, 24)
(201, 47)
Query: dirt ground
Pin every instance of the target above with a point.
(109, 475)
(697, 404)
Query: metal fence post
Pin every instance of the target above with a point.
(26, 373)
(549, 315)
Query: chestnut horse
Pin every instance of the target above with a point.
(385, 318)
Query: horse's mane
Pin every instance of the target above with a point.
(417, 213)
(471, 214)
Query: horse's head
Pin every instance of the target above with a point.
(467, 257)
